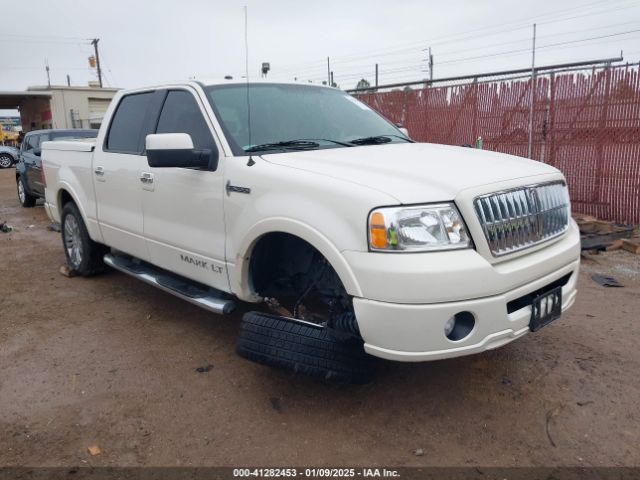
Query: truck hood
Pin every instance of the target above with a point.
(413, 172)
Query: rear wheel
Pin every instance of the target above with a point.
(26, 199)
(6, 160)
(83, 254)
(303, 348)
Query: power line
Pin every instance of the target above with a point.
(453, 38)
(409, 70)
(457, 60)
(353, 71)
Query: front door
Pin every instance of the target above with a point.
(183, 216)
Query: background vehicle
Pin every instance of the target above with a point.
(357, 238)
(29, 169)
(8, 156)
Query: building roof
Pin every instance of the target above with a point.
(39, 88)
(12, 99)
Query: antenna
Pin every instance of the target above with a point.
(246, 60)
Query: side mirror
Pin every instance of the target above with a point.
(404, 131)
(37, 152)
(166, 150)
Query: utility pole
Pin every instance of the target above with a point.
(532, 96)
(46, 67)
(376, 75)
(94, 42)
(331, 84)
(328, 71)
(68, 80)
(430, 65)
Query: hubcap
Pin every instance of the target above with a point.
(72, 241)
(21, 194)
(5, 161)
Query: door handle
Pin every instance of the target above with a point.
(99, 171)
(146, 177)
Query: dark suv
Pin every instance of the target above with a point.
(29, 169)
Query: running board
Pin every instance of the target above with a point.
(198, 294)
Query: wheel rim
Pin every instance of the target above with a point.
(72, 241)
(5, 161)
(21, 193)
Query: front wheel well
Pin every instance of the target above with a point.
(295, 274)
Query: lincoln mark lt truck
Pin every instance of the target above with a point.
(352, 240)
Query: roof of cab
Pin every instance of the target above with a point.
(213, 82)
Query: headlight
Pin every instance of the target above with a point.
(417, 229)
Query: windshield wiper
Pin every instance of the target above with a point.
(289, 144)
(302, 144)
(344, 144)
(378, 139)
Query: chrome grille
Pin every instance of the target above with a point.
(516, 219)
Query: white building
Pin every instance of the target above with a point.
(59, 106)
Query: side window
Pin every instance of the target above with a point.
(27, 144)
(31, 143)
(181, 114)
(128, 123)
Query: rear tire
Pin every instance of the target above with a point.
(83, 254)
(26, 199)
(302, 348)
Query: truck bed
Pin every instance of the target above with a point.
(67, 165)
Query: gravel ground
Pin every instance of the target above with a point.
(109, 361)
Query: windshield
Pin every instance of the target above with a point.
(282, 115)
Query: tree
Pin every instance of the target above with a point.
(363, 83)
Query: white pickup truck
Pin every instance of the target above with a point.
(348, 236)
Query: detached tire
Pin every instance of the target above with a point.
(302, 348)
(83, 254)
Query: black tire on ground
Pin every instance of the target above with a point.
(26, 199)
(87, 259)
(302, 348)
(6, 160)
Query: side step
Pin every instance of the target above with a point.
(193, 292)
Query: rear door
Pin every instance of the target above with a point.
(35, 166)
(117, 165)
(183, 207)
(31, 145)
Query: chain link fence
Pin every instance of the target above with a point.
(586, 122)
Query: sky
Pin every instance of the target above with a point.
(145, 42)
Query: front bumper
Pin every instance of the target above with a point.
(396, 326)
(415, 333)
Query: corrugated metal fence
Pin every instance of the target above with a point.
(587, 124)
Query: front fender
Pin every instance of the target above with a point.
(239, 271)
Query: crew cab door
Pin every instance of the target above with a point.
(117, 163)
(183, 207)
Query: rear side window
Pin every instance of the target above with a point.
(129, 121)
(31, 143)
(181, 114)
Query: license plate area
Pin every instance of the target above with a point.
(545, 309)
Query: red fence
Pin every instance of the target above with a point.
(585, 124)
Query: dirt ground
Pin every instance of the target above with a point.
(110, 361)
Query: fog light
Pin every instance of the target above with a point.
(459, 326)
(448, 327)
